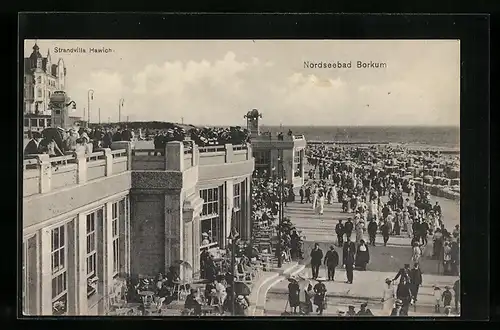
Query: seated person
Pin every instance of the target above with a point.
(192, 302)
(172, 276)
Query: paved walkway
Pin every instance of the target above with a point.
(384, 262)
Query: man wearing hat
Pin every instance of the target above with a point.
(351, 311)
(403, 273)
(32, 146)
(331, 261)
(364, 311)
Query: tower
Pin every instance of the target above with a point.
(253, 122)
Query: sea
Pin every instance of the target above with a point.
(446, 137)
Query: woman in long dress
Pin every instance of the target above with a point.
(334, 193)
(321, 203)
(315, 198)
(388, 297)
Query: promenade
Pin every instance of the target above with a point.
(384, 262)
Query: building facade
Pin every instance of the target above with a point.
(42, 77)
(272, 151)
(89, 221)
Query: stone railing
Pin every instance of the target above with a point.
(192, 155)
(42, 174)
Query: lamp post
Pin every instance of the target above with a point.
(233, 236)
(99, 116)
(120, 105)
(90, 96)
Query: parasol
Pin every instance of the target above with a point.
(241, 288)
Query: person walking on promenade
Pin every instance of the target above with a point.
(321, 202)
(293, 295)
(331, 261)
(415, 281)
(316, 258)
(348, 227)
(403, 273)
(385, 232)
(372, 231)
(348, 253)
(437, 246)
(307, 193)
(403, 293)
(301, 194)
(362, 256)
(315, 198)
(437, 299)
(397, 310)
(388, 297)
(360, 229)
(339, 230)
(334, 193)
(416, 253)
(447, 297)
(456, 291)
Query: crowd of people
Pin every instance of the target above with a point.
(380, 201)
(59, 142)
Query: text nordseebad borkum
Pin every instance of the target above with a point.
(345, 65)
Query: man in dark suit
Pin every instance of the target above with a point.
(339, 230)
(301, 193)
(32, 146)
(372, 231)
(348, 253)
(403, 273)
(126, 135)
(331, 261)
(348, 227)
(316, 257)
(415, 281)
(308, 195)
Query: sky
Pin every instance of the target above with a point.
(215, 82)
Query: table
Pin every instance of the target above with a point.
(181, 288)
(207, 309)
(147, 297)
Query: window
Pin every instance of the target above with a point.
(33, 122)
(91, 252)
(115, 229)
(26, 122)
(39, 92)
(49, 122)
(211, 221)
(41, 122)
(59, 276)
(236, 216)
(39, 80)
(237, 196)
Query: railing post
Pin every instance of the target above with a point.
(174, 156)
(108, 157)
(127, 146)
(229, 153)
(81, 167)
(45, 173)
(249, 151)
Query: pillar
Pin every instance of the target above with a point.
(247, 204)
(174, 156)
(108, 157)
(229, 153)
(107, 273)
(45, 288)
(32, 268)
(81, 167)
(81, 265)
(173, 228)
(45, 173)
(72, 271)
